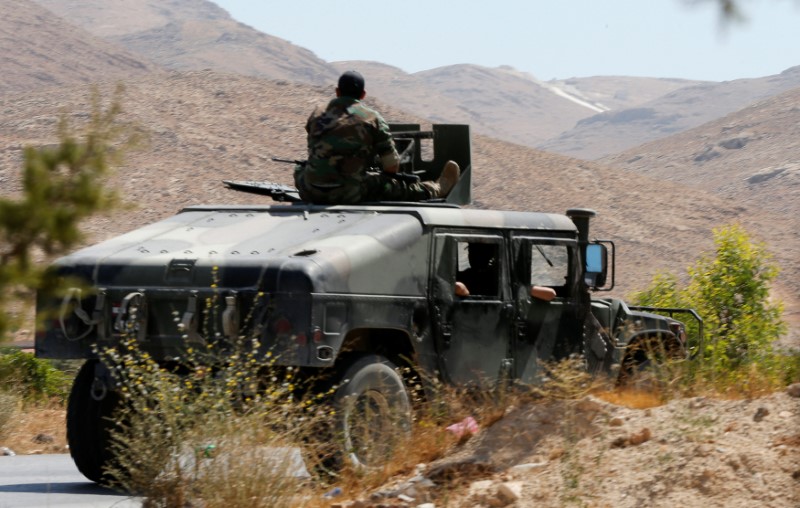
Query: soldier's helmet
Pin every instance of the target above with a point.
(351, 84)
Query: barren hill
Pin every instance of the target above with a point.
(193, 35)
(525, 109)
(39, 49)
(614, 131)
(501, 102)
(751, 156)
(620, 92)
(581, 117)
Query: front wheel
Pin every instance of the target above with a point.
(374, 411)
(646, 363)
(90, 411)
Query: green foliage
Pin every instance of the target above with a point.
(32, 378)
(664, 291)
(62, 185)
(730, 289)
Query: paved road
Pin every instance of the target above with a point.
(52, 481)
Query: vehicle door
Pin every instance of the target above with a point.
(548, 329)
(473, 331)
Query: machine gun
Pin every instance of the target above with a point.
(449, 142)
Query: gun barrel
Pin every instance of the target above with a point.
(288, 161)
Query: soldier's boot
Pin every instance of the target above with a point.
(447, 180)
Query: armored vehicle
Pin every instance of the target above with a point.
(465, 295)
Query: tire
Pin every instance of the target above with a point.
(374, 411)
(89, 425)
(643, 361)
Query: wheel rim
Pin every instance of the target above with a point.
(371, 428)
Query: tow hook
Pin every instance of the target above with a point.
(99, 390)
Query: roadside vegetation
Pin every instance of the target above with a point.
(730, 289)
(62, 184)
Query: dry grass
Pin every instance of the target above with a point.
(633, 398)
(238, 475)
(31, 421)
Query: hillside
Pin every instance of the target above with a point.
(499, 102)
(527, 110)
(586, 117)
(620, 92)
(193, 35)
(687, 107)
(751, 156)
(39, 49)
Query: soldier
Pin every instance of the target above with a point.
(343, 140)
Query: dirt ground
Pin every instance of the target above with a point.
(592, 453)
(588, 452)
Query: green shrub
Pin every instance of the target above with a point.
(32, 378)
(62, 184)
(730, 289)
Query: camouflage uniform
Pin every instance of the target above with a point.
(343, 142)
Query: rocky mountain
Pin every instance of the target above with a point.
(193, 35)
(39, 49)
(682, 109)
(501, 102)
(751, 156)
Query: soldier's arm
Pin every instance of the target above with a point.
(384, 147)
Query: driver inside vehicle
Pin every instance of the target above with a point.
(480, 279)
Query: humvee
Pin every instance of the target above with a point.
(353, 292)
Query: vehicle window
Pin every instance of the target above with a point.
(479, 268)
(549, 265)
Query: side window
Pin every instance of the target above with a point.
(549, 266)
(479, 269)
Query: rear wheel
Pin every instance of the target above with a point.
(374, 411)
(89, 423)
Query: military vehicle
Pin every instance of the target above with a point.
(353, 292)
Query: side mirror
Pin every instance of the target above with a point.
(596, 268)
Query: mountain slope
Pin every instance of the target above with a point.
(620, 92)
(614, 131)
(501, 102)
(751, 156)
(510, 105)
(193, 35)
(39, 49)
